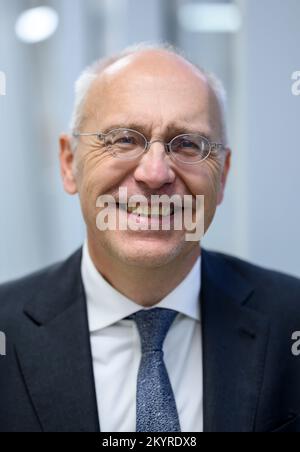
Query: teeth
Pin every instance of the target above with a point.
(123, 207)
(146, 211)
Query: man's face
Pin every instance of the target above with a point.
(154, 92)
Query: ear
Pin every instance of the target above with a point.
(66, 157)
(225, 172)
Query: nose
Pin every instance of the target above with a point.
(154, 167)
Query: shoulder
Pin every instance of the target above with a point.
(257, 274)
(16, 293)
(273, 290)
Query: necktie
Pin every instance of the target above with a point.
(156, 406)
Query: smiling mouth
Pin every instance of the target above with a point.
(158, 211)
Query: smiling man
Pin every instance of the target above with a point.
(141, 329)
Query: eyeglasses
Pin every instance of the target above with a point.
(128, 144)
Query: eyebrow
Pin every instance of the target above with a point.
(174, 128)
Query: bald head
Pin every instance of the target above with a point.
(154, 61)
(143, 70)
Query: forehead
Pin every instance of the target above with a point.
(153, 87)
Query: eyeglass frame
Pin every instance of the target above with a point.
(101, 136)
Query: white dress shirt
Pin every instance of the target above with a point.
(116, 350)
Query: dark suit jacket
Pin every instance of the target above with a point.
(251, 377)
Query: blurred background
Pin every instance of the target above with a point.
(252, 45)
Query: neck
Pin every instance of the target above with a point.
(145, 286)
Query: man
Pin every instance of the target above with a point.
(143, 330)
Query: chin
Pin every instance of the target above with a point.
(149, 253)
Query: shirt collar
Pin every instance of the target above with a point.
(106, 306)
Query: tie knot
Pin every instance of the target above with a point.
(153, 326)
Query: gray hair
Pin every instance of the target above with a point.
(90, 74)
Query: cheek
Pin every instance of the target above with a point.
(93, 173)
(205, 179)
(213, 177)
(99, 174)
(96, 177)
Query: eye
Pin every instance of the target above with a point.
(188, 144)
(125, 140)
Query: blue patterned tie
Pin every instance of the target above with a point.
(156, 407)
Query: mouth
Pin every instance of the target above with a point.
(142, 216)
(147, 211)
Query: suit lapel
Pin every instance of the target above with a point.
(54, 353)
(234, 347)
